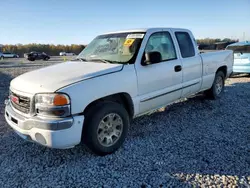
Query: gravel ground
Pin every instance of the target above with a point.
(193, 143)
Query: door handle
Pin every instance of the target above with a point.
(177, 68)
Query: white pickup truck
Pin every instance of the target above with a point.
(118, 76)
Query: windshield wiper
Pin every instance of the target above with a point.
(77, 59)
(105, 61)
(102, 60)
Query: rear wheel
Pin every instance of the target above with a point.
(1, 57)
(217, 88)
(105, 128)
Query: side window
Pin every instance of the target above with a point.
(163, 43)
(185, 44)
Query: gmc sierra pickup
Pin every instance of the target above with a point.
(118, 76)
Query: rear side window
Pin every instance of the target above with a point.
(185, 44)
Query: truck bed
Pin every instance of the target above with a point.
(211, 61)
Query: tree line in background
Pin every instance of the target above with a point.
(213, 41)
(54, 50)
(50, 49)
(214, 44)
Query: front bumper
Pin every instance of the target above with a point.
(58, 133)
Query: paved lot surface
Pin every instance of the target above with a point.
(196, 142)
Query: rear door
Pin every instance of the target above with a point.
(34, 55)
(40, 55)
(160, 83)
(191, 62)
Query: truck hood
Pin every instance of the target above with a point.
(51, 78)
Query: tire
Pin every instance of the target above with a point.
(1, 57)
(216, 91)
(46, 59)
(96, 136)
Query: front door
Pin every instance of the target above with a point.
(160, 83)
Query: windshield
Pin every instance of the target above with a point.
(240, 49)
(113, 48)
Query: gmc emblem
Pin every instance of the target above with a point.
(14, 99)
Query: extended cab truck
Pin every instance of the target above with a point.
(117, 77)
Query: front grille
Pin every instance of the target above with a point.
(23, 103)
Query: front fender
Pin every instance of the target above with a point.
(84, 92)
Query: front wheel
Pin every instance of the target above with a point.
(1, 57)
(105, 128)
(217, 88)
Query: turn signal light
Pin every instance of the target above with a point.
(60, 100)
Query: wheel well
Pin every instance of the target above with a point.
(121, 98)
(223, 69)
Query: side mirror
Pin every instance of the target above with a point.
(152, 57)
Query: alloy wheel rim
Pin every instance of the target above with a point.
(218, 85)
(110, 129)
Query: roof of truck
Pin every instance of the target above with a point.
(143, 30)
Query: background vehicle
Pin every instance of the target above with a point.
(32, 56)
(117, 77)
(66, 54)
(241, 57)
(9, 55)
(25, 55)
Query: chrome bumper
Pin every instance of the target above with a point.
(36, 122)
(55, 133)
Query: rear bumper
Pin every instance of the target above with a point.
(54, 133)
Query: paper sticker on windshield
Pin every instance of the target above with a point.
(128, 42)
(135, 36)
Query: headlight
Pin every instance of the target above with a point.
(53, 99)
(52, 104)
